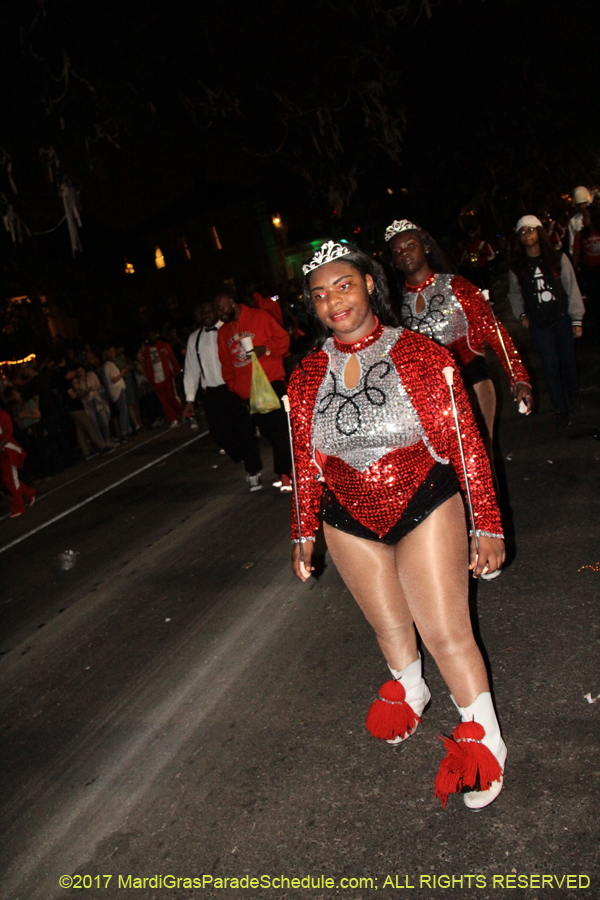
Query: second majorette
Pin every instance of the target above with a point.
(453, 312)
(375, 443)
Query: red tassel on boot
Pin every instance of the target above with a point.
(390, 715)
(468, 765)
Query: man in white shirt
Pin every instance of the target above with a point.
(202, 365)
(227, 415)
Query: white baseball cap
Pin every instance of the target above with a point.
(529, 221)
(581, 195)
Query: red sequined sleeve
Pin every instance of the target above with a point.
(302, 392)
(420, 363)
(482, 329)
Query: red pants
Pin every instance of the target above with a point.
(17, 491)
(170, 402)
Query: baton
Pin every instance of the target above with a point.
(286, 405)
(486, 294)
(448, 373)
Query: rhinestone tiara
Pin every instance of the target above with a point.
(397, 227)
(326, 254)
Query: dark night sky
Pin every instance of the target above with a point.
(497, 99)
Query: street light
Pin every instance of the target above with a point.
(159, 259)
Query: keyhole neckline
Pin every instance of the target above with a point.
(353, 364)
(419, 312)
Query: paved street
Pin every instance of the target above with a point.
(178, 705)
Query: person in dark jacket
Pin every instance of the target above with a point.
(545, 297)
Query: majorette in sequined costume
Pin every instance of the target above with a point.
(374, 445)
(384, 455)
(457, 316)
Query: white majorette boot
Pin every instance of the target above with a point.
(475, 756)
(396, 713)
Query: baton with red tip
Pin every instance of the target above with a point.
(448, 373)
(286, 405)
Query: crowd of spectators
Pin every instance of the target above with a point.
(83, 400)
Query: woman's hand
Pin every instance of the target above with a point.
(522, 392)
(303, 570)
(577, 331)
(490, 557)
(525, 322)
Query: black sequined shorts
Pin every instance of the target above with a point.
(439, 485)
(475, 372)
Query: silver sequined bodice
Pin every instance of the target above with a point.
(443, 319)
(362, 424)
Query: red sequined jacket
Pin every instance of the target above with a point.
(445, 296)
(378, 496)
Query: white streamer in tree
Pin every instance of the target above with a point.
(70, 199)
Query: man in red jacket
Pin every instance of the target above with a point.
(271, 343)
(161, 368)
(12, 457)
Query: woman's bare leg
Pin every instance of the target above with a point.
(369, 572)
(485, 395)
(432, 564)
(423, 580)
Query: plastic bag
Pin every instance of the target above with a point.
(263, 398)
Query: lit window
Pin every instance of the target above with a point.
(159, 259)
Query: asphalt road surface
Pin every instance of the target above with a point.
(177, 706)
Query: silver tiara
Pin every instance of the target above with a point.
(326, 254)
(397, 227)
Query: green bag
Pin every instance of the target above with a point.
(263, 398)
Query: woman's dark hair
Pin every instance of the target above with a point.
(550, 256)
(380, 297)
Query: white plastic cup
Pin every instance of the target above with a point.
(247, 343)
